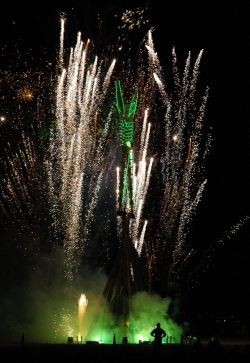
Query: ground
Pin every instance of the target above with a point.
(227, 352)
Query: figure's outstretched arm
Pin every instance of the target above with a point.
(119, 102)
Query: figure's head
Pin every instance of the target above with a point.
(158, 325)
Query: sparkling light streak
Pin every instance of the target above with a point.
(22, 162)
(182, 164)
(75, 153)
(82, 305)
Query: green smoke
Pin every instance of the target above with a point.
(146, 311)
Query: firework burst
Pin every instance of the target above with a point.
(75, 153)
(24, 135)
(180, 181)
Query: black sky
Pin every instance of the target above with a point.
(223, 32)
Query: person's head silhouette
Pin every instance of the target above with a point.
(158, 325)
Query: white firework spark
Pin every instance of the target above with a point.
(80, 93)
(182, 160)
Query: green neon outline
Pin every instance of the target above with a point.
(126, 135)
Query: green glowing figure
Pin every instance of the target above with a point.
(126, 114)
(127, 276)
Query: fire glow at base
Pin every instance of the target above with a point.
(82, 305)
(146, 310)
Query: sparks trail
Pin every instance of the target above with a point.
(82, 305)
(28, 111)
(75, 163)
(182, 182)
(203, 262)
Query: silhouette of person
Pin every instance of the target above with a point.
(158, 334)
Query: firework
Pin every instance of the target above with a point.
(82, 305)
(65, 326)
(183, 154)
(75, 161)
(180, 182)
(24, 132)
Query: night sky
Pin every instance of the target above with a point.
(223, 32)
